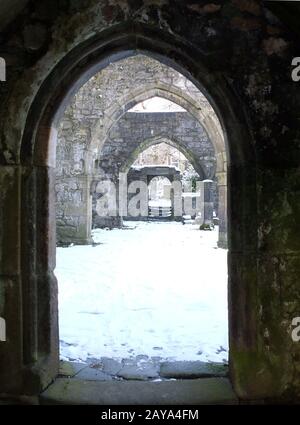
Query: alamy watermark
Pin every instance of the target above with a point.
(296, 71)
(2, 69)
(121, 199)
(2, 330)
(296, 331)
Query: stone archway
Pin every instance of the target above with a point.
(120, 150)
(172, 94)
(35, 354)
(146, 175)
(204, 114)
(206, 117)
(47, 341)
(156, 140)
(125, 141)
(73, 217)
(240, 53)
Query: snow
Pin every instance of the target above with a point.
(191, 194)
(160, 203)
(171, 167)
(157, 104)
(154, 288)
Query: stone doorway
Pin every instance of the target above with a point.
(50, 338)
(198, 142)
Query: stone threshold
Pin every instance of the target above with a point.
(140, 368)
(206, 391)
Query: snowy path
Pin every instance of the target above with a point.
(159, 290)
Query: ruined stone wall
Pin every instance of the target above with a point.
(96, 101)
(86, 124)
(135, 132)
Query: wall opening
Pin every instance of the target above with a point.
(40, 334)
(121, 283)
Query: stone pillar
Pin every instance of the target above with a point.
(11, 347)
(74, 210)
(29, 353)
(222, 210)
(176, 197)
(208, 207)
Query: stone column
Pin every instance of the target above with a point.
(29, 352)
(11, 344)
(74, 210)
(208, 204)
(222, 210)
(176, 197)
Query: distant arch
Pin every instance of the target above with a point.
(145, 144)
(167, 92)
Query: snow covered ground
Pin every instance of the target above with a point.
(158, 289)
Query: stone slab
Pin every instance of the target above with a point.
(92, 374)
(107, 365)
(111, 366)
(186, 392)
(192, 369)
(139, 372)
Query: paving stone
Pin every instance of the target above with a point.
(192, 369)
(92, 374)
(129, 361)
(70, 368)
(142, 373)
(111, 366)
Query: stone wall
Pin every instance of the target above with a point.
(89, 120)
(105, 97)
(134, 132)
